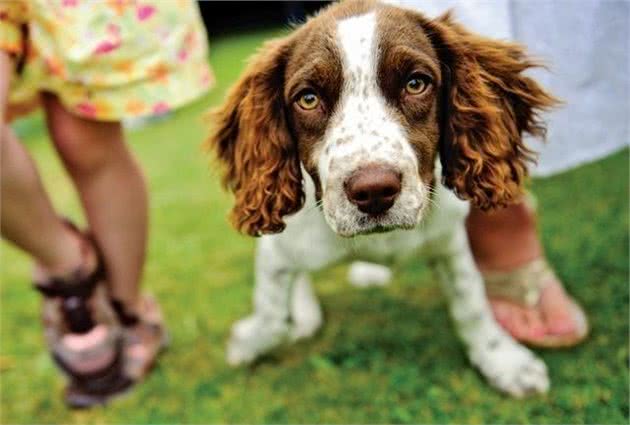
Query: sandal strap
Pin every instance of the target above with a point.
(523, 285)
(75, 290)
(145, 340)
(75, 285)
(126, 319)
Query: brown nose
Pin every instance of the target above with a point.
(373, 189)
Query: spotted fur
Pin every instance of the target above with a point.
(464, 129)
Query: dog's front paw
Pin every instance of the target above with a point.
(254, 336)
(511, 368)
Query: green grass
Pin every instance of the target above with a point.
(385, 355)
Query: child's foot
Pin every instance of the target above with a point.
(80, 327)
(145, 336)
(527, 298)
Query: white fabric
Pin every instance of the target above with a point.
(585, 43)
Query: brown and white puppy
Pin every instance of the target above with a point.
(359, 114)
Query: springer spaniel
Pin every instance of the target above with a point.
(369, 122)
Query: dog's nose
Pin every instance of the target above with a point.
(373, 189)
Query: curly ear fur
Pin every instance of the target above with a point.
(252, 139)
(488, 104)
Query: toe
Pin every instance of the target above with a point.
(556, 309)
(522, 323)
(533, 324)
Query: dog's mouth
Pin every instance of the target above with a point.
(363, 224)
(353, 213)
(374, 228)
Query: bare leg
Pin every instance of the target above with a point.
(27, 216)
(504, 240)
(114, 197)
(112, 190)
(29, 221)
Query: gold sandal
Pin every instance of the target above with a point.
(524, 286)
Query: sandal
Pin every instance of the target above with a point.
(144, 337)
(82, 332)
(524, 287)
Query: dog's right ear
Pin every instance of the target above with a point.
(252, 139)
(488, 103)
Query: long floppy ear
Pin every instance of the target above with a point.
(251, 138)
(487, 105)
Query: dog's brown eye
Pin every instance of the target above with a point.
(308, 100)
(416, 84)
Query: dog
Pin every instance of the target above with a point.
(375, 123)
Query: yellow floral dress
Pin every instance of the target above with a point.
(107, 59)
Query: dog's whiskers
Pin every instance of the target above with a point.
(315, 206)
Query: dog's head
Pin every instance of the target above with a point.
(364, 97)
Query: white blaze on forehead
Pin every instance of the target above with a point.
(356, 36)
(361, 129)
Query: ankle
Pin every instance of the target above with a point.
(504, 239)
(76, 253)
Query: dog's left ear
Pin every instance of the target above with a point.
(487, 105)
(252, 140)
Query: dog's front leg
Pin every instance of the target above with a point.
(269, 325)
(506, 364)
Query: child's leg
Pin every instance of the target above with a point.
(82, 342)
(114, 196)
(112, 190)
(28, 219)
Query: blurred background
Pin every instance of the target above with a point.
(225, 17)
(385, 355)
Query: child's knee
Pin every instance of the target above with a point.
(83, 154)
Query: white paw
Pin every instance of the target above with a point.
(510, 367)
(254, 336)
(363, 275)
(306, 313)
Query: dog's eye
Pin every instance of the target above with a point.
(308, 100)
(417, 84)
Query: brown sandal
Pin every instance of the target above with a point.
(144, 336)
(141, 334)
(82, 332)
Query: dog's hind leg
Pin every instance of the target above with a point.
(306, 313)
(363, 274)
(506, 364)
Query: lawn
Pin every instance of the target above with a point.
(386, 355)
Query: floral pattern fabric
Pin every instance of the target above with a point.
(107, 59)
